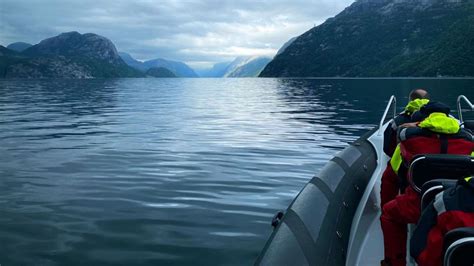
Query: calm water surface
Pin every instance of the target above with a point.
(170, 171)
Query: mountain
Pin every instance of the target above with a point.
(42, 67)
(285, 45)
(4, 51)
(246, 66)
(385, 38)
(68, 55)
(242, 66)
(87, 45)
(129, 60)
(218, 70)
(7, 56)
(19, 46)
(160, 72)
(180, 69)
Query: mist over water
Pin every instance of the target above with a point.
(170, 171)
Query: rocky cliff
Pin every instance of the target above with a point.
(75, 44)
(68, 55)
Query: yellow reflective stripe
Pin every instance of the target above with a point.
(396, 160)
(440, 123)
(469, 178)
(415, 105)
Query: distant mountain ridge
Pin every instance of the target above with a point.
(160, 72)
(385, 38)
(19, 46)
(68, 55)
(216, 71)
(4, 51)
(179, 69)
(132, 62)
(76, 55)
(242, 66)
(249, 66)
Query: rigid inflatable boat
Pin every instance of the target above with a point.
(334, 220)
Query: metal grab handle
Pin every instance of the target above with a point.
(393, 100)
(462, 97)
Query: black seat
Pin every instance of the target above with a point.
(427, 167)
(459, 247)
(433, 187)
(469, 124)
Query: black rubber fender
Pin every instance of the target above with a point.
(315, 228)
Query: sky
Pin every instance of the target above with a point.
(197, 32)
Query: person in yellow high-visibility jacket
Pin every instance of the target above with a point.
(437, 133)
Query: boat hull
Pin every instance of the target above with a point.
(315, 229)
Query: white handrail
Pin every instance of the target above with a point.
(462, 97)
(393, 100)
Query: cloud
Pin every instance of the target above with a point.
(197, 32)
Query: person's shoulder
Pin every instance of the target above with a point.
(402, 118)
(405, 133)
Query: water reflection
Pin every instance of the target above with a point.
(169, 171)
(354, 105)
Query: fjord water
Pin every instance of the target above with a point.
(170, 171)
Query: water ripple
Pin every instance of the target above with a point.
(164, 171)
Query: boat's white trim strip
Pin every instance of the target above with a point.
(391, 102)
(368, 210)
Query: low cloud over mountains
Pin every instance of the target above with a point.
(197, 32)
